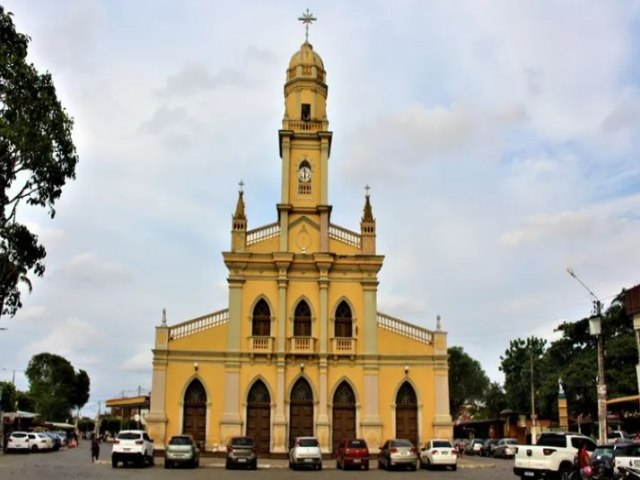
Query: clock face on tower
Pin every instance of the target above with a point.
(304, 174)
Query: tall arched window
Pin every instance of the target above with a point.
(261, 322)
(343, 321)
(302, 320)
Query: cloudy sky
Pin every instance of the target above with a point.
(500, 140)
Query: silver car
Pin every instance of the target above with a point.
(181, 450)
(506, 448)
(398, 452)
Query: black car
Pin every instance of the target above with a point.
(241, 452)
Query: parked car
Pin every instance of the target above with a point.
(57, 442)
(626, 455)
(603, 461)
(619, 436)
(181, 450)
(439, 453)
(305, 452)
(474, 447)
(398, 452)
(487, 447)
(18, 442)
(352, 453)
(40, 442)
(132, 446)
(241, 452)
(506, 448)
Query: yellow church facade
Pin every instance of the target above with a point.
(301, 348)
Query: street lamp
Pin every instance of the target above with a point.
(595, 329)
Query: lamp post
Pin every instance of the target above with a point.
(595, 328)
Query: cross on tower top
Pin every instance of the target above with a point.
(367, 188)
(241, 185)
(307, 18)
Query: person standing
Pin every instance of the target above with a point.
(584, 461)
(95, 448)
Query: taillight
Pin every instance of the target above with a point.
(394, 450)
(413, 450)
(116, 441)
(434, 452)
(139, 442)
(548, 451)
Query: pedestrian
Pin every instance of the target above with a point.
(95, 448)
(584, 461)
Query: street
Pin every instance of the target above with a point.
(76, 463)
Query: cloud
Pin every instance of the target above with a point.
(194, 78)
(72, 338)
(140, 362)
(88, 269)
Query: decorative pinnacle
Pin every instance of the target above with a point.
(367, 188)
(164, 316)
(241, 185)
(306, 18)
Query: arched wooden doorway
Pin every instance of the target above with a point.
(300, 411)
(344, 414)
(195, 412)
(407, 413)
(259, 416)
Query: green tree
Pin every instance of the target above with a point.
(37, 157)
(467, 380)
(55, 386)
(495, 401)
(518, 361)
(25, 402)
(9, 397)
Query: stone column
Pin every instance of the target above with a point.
(371, 424)
(442, 424)
(157, 417)
(231, 420)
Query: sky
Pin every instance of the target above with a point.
(500, 140)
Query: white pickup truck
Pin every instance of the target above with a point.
(553, 455)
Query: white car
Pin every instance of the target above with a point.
(18, 442)
(305, 452)
(439, 453)
(40, 442)
(133, 446)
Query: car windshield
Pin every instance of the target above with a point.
(242, 442)
(307, 442)
(603, 452)
(129, 436)
(441, 444)
(180, 441)
(402, 443)
(357, 444)
(18, 435)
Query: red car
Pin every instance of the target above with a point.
(352, 453)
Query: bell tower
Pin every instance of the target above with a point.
(305, 146)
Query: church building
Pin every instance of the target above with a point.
(301, 348)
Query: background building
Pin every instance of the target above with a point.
(301, 348)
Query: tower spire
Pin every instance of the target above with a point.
(368, 226)
(239, 223)
(307, 18)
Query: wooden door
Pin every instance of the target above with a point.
(407, 414)
(259, 417)
(344, 415)
(195, 412)
(300, 411)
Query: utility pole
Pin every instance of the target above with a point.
(595, 329)
(534, 433)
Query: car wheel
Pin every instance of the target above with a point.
(320, 466)
(34, 448)
(114, 462)
(366, 466)
(227, 465)
(455, 467)
(166, 464)
(150, 460)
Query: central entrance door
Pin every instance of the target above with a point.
(259, 416)
(195, 412)
(407, 413)
(344, 414)
(300, 411)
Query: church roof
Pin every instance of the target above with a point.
(306, 56)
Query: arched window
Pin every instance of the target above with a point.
(261, 323)
(344, 395)
(406, 395)
(343, 322)
(302, 320)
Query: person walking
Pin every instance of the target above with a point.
(584, 462)
(95, 448)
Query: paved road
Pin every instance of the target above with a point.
(76, 464)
